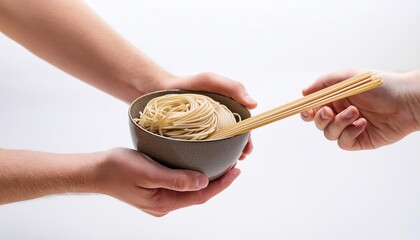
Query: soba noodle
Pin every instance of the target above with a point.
(185, 116)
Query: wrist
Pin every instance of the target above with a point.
(83, 175)
(91, 178)
(102, 178)
(155, 82)
(413, 97)
(145, 77)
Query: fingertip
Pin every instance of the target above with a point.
(348, 139)
(326, 113)
(360, 123)
(229, 176)
(305, 91)
(233, 173)
(248, 147)
(307, 115)
(323, 118)
(238, 92)
(250, 102)
(219, 184)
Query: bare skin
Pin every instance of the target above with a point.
(69, 35)
(372, 119)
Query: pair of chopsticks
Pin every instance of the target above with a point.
(346, 88)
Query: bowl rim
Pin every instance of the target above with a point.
(174, 139)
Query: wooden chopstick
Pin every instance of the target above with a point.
(346, 88)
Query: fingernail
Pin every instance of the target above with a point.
(201, 181)
(305, 114)
(324, 114)
(348, 114)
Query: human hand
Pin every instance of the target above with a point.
(211, 82)
(371, 119)
(134, 178)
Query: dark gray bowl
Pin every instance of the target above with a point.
(212, 157)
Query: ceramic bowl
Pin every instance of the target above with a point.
(212, 157)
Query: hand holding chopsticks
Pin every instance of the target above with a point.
(347, 88)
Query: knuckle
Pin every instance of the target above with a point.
(208, 75)
(155, 203)
(322, 77)
(343, 145)
(179, 182)
(350, 71)
(237, 85)
(305, 116)
(158, 203)
(158, 215)
(328, 135)
(160, 208)
(201, 199)
(415, 73)
(320, 124)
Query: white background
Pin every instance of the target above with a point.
(295, 185)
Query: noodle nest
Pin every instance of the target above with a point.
(185, 116)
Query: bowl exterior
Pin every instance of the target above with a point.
(212, 157)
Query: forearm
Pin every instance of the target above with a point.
(27, 174)
(69, 35)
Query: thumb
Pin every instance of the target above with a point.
(212, 82)
(330, 79)
(181, 180)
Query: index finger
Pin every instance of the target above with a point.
(176, 200)
(215, 83)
